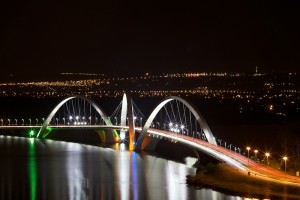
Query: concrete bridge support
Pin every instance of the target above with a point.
(127, 114)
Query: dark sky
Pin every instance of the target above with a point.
(148, 36)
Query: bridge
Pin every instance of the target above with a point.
(174, 119)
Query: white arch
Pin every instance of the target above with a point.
(51, 115)
(210, 138)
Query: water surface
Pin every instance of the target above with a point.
(35, 169)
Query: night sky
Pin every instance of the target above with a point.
(40, 36)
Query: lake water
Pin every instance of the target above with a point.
(35, 169)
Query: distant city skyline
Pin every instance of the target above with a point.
(156, 37)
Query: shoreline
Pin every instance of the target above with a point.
(230, 181)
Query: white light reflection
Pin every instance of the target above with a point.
(172, 186)
(122, 147)
(76, 180)
(123, 174)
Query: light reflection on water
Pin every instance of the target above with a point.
(35, 169)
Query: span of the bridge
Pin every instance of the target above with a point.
(149, 135)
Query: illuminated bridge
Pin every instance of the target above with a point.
(174, 119)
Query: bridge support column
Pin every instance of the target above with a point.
(127, 113)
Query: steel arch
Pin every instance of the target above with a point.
(53, 112)
(210, 138)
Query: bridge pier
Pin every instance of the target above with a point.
(127, 114)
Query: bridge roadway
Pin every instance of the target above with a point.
(66, 127)
(231, 158)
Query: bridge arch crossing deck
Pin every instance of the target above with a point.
(198, 116)
(98, 109)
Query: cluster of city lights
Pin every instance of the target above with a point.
(105, 86)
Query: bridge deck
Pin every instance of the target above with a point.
(230, 157)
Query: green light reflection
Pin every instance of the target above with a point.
(31, 133)
(32, 170)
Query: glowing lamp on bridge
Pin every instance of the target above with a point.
(285, 159)
(255, 151)
(122, 135)
(267, 155)
(248, 149)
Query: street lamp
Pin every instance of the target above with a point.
(267, 155)
(255, 151)
(248, 149)
(285, 159)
